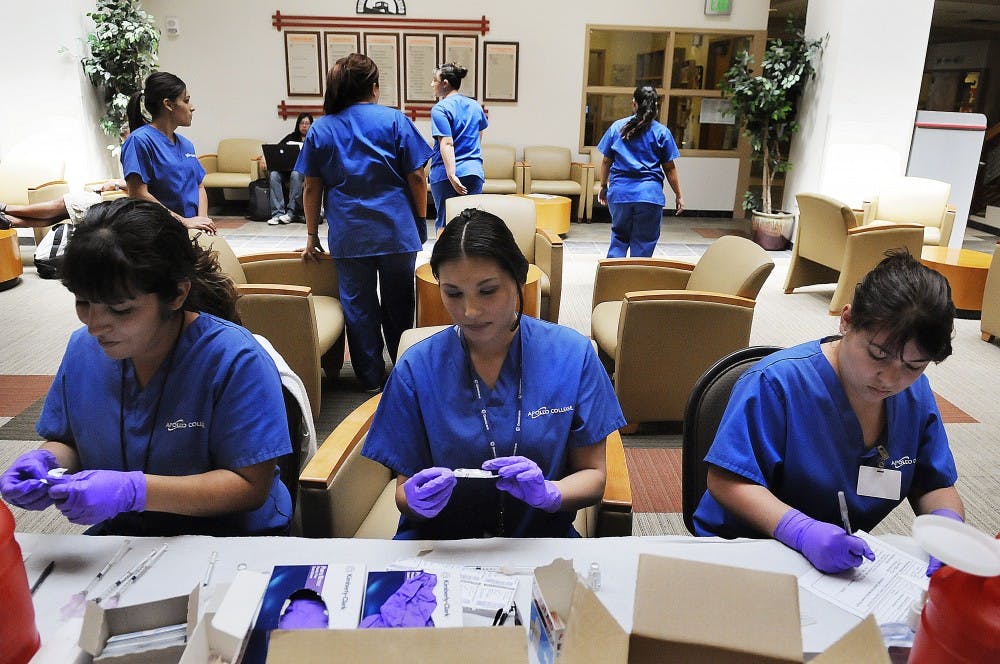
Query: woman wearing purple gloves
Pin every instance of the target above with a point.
(167, 416)
(520, 397)
(851, 413)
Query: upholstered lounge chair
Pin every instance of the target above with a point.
(910, 200)
(549, 169)
(659, 324)
(234, 166)
(293, 304)
(504, 175)
(343, 494)
(596, 158)
(830, 247)
(27, 177)
(990, 322)
(541, 247)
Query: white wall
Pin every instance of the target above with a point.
(857, 115)
(232, 60)
(48, 104)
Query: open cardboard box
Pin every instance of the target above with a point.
(684, 611)
(225, 625)
(100, 624)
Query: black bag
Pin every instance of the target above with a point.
(259, 203)
(49, 252)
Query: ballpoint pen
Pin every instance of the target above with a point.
(843, 512)
(44, 575)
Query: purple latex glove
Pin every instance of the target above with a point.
(933, 564)
(23, 484)
(92, 496)
(305, 611)
(410, 606)
(428, 491)
(522, 478)
(825, 545)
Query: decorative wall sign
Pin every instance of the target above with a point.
(340, 45)
(397, 7)
(420, 57)
(303, 68)
(384, 50)
(464, 51)
(500, 71)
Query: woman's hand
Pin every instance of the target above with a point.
(679, 205)
(25, 483)
(602, 195)
(825, 545)
(313, 248)
(429, 491)
(522, 478)
(457, 185)
(200, 223)
(93, 496)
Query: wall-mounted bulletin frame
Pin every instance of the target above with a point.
(420, 57)
(303, 66)
(339, 45)
(464, 50)
(500, 61)
(383, 48)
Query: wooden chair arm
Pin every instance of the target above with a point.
(323, 467)
(690, 296)
(51, 183)
(618, 488)
(274, 255)
(273, 289)
(647, 262)
(550, 237)
(858, 230)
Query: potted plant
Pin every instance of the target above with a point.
(765, 106)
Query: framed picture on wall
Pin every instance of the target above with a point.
(303, 68)
(420, 57)
(500, 71)
(339, 45)
(383, 48)
(463, 50)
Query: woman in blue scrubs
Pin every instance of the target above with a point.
(159, 164)
(638, 153)
(457, 124)
(851, 413)
(167, 415)
(368, 160)
(522, 398)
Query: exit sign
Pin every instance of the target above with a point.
(718, 7)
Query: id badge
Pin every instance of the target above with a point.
(879, 482)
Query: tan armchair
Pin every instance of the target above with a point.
(989, 324)
(504, 175)
(830, 247)
(659, 324)
(293, 304)
(549, 169)
(28, 177)
(596, 158)
(910, 200)
(343, 494)
(539, 246)
(234, 166)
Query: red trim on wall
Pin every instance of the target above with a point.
(939, 125)
(281, 21)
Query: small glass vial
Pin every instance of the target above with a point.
(594, 577)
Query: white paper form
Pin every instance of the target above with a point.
(885, 587)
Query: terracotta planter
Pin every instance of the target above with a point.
(773, 232)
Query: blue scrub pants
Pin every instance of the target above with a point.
(635, 229)
(442, 191)
(295, 182)
(361, 281)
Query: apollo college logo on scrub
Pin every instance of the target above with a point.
(544, 410)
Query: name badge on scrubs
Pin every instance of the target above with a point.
(879, 482)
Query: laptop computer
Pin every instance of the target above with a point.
(281, 156)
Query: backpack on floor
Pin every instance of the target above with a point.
(50, 251)
(259, 203)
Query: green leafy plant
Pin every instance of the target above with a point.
(765, 104)
(123, 49)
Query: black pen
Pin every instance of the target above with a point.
(44, 575)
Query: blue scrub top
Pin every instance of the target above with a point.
(363, 155)
(220, 407)
(462, 119)
(171, 171)
(789, 427)
(637, 175)
(429, 416)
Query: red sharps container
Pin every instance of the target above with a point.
(960, 623)
(18, 635)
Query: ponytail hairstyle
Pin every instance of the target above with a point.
(646, 110)
(483, 235)
(126, 247)
(452, 73)
(350, 80)
(159, 85)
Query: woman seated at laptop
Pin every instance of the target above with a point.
(280, 212)
(522, 398)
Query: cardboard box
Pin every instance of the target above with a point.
(99, 624)
(685, 611)
(225, 625)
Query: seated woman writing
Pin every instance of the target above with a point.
(167, 415)
(851, 413)
(499, 392)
